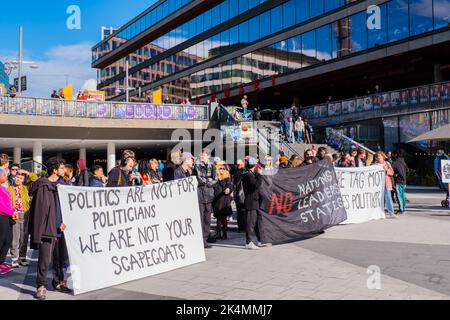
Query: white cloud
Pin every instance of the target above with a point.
(60, 64)
(90, 84)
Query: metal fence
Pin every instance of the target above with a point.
(101, 110)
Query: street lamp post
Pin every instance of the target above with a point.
(127, 81)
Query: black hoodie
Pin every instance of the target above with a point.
(43, 212)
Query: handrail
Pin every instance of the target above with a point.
(226, 117)
(343, 136)
(101, 110)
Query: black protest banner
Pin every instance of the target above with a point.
(297, 203)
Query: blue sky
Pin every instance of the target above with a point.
(57, 50)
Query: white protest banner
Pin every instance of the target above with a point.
(362, 191)
(116, 235)
(445, 167)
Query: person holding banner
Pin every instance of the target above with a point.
(380, 158)
(207, 178)
(46, 228)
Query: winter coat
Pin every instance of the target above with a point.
(222, 201)
(118, 178)
(168, 173)
(43, 212)
(400, 170)
(251, 183)
(6, 207)
(96, 182)
(204, 172)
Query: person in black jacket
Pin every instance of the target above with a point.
(400, 174)
(171, 166)
(239, 196)
(121, 176)
(207, 178)
(222, 200)
(251, 182)
(46, 228)
(184, 170)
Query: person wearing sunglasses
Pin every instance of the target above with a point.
(223, 190)
(14, 170)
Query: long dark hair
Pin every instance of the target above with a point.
(144, 167)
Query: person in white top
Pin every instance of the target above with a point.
(299, 128)
(244, 104)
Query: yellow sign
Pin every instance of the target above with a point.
(67, 92)
(157, 97)
(2, 89)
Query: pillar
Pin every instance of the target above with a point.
(37, 155)
(111, 154)
(17, 155)
(82, 154)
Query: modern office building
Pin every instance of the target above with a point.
(281, 52)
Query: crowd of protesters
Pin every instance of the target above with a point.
(295, 129)
(30, 211)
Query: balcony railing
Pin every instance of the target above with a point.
(101, 110)
(380, 101)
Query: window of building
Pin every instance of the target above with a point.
(358, 32)
(398, 24)
(378, 36)
(324, 49)
(309, 48)
(316, 7)
(421, 16)
(441, 10)
(301, 10)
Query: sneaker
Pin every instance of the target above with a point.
(24, 262)
(251, 246)
(391, 216)
(4, 268)
(15, 264)
(263, 245)
(61, 287)
(41, 293)
(208, 246)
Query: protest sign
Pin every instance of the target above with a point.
(115, 235)
(300, 202)
(362, 191)
(445, 167)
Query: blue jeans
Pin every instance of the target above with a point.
(299, 135)
(388, 204)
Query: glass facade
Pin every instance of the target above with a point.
(400, 19)
(152, 17)
(269, 22)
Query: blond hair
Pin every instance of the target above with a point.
(224, 174)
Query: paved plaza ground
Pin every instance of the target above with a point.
(412, 253)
